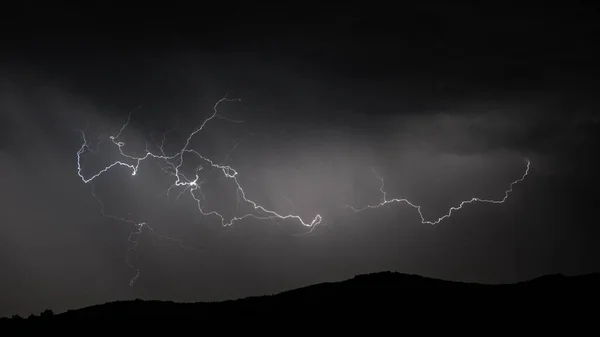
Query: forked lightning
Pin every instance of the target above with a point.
(385, 200)
(193, 185)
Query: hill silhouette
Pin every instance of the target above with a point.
(369, 295)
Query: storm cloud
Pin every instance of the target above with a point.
(306, 144)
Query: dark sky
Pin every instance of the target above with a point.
(444, 102)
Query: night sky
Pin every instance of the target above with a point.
(445, 103)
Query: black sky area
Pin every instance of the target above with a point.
(444, 101)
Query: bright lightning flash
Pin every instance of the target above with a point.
(193, 186)
(386, 201)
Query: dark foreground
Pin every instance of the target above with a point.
(381, 296)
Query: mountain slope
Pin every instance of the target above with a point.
(367, 295)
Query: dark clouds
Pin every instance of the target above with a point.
(63, 254)
(45, 232)
(317, 118)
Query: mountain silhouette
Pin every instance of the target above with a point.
(368, 296)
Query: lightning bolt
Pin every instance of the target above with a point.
(453, 209)
(192, 186)
(171, 165)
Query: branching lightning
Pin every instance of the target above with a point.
(172, 166)
(386, 201)
(190, 185)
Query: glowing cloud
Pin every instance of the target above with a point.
(193, 185)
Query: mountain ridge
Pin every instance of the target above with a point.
(373, 290)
